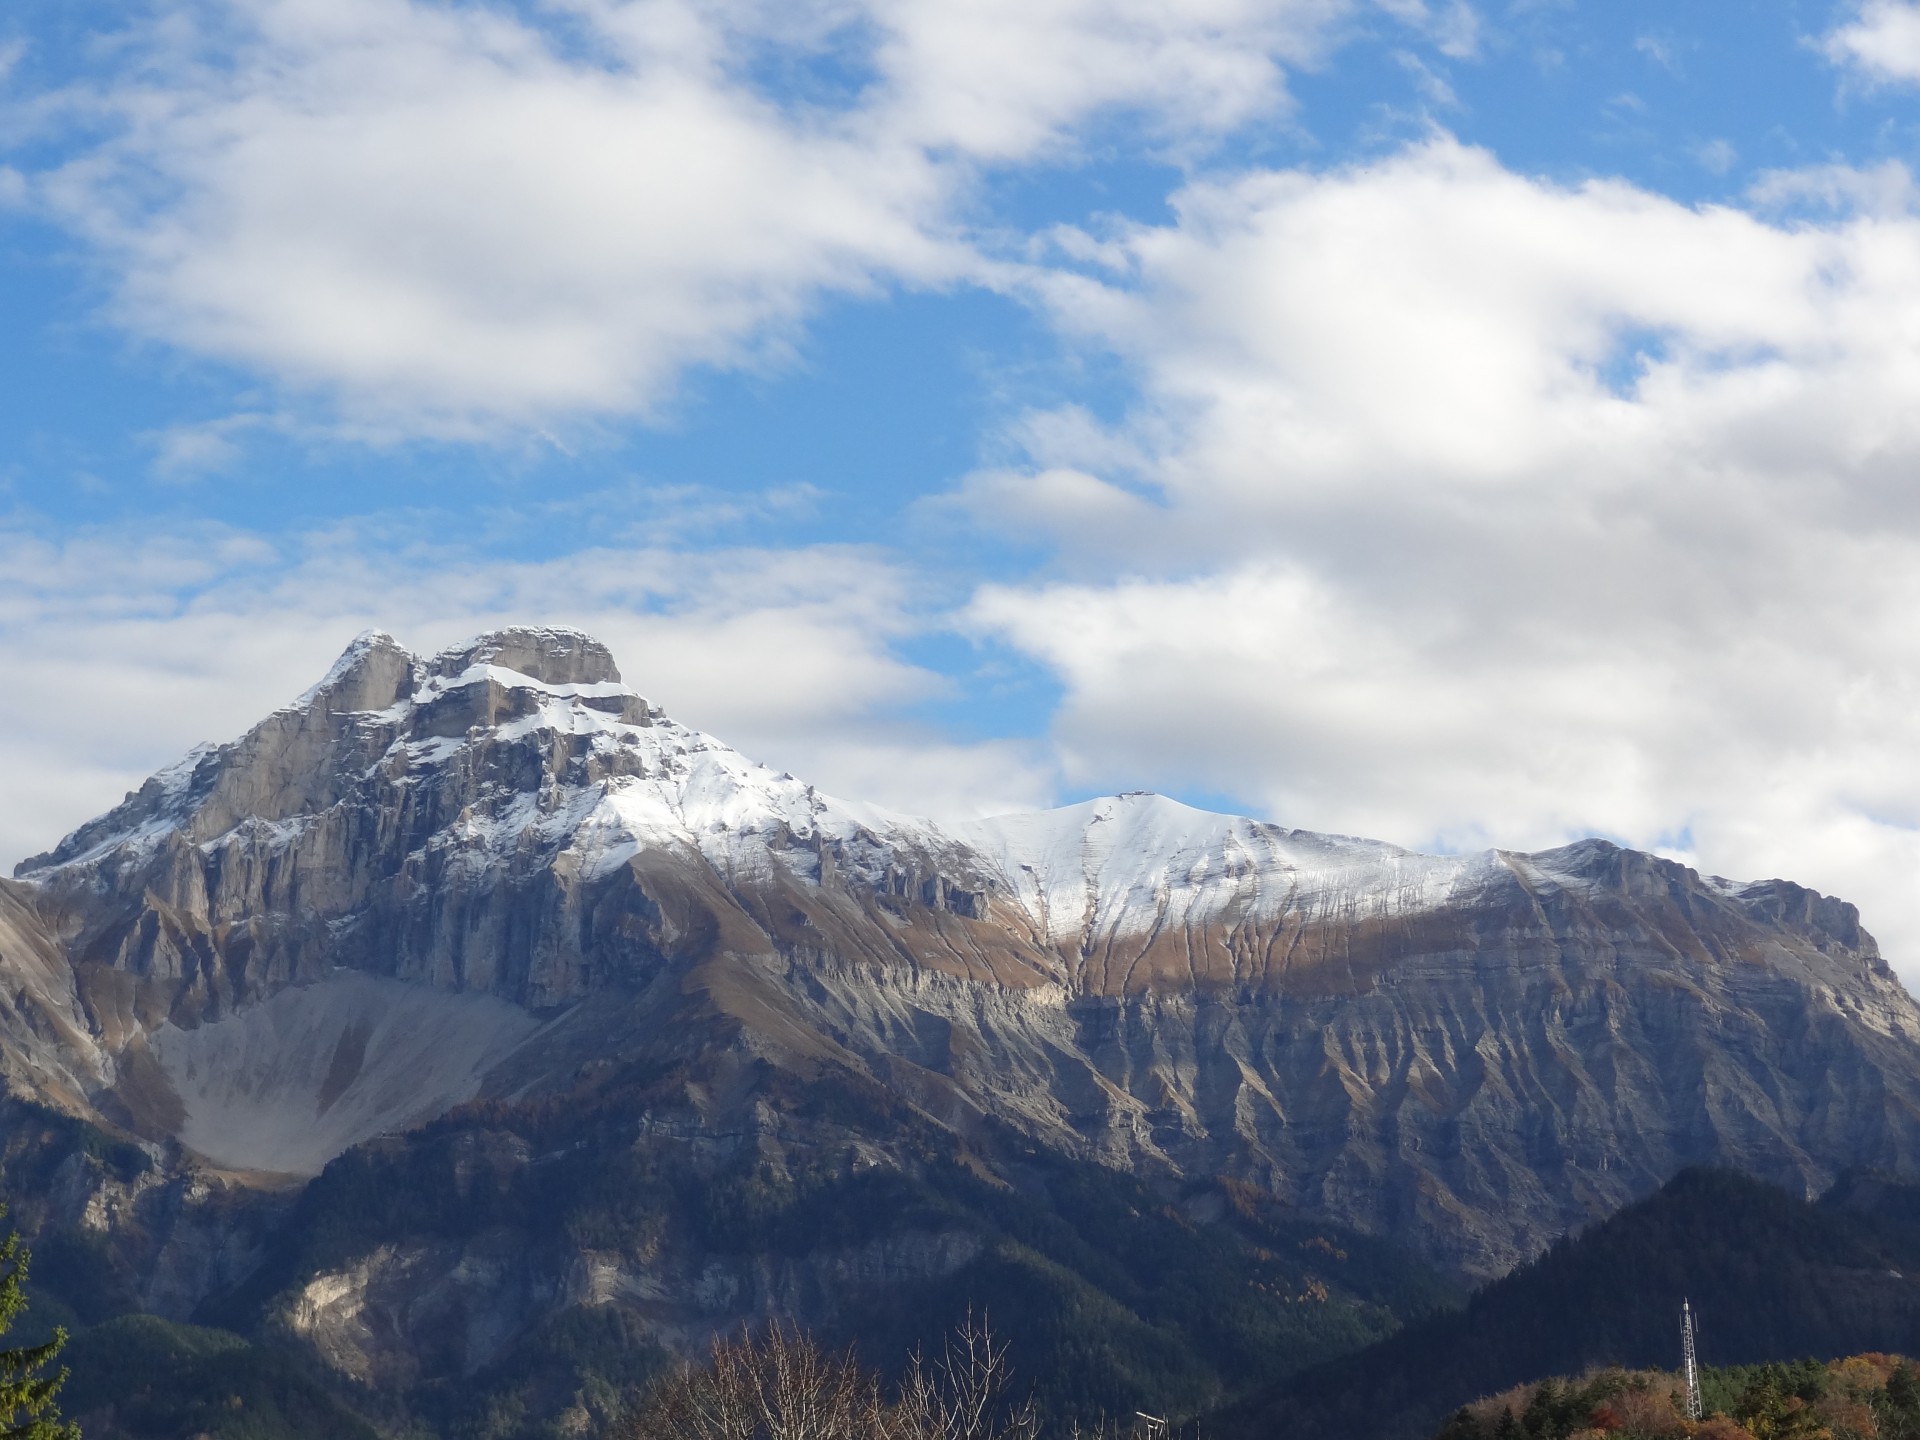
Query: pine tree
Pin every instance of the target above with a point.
(1463, 1427)
(27, 1394)
(1899, 1406)
(1537, 1419)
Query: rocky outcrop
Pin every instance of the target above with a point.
(48, 1048)
(1468, 1052)
(401, 1310)
(155, 1235)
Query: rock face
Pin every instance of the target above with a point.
(47, 1047)
(1470, 1053)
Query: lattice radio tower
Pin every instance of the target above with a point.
(1695, 1410)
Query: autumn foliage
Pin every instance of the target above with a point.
(1864, 1397)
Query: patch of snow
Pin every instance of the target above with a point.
(268, 834)
(160, 805)
(518, 680)
(1129, 863)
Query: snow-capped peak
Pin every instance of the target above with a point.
(530, 749)
(1139, 861)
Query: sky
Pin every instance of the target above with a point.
(1458, 422)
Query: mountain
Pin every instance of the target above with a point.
(536, 981)
(1771, 1276)
(470, 873)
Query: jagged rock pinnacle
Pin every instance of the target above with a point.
(372, 673)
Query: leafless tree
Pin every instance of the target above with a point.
(784, 1386)
(781, 1386)
(964, 1395)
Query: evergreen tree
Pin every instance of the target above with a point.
(27, 1393)
(1898, 1407)
(1537, 1420)
(1463, 1427)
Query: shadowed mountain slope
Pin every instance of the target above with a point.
(1771, 1277)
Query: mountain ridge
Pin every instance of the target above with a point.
(1469, 1053)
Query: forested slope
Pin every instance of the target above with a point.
(1772, 1277)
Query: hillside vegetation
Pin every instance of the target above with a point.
(1862, 1397)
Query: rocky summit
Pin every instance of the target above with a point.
(493, 877)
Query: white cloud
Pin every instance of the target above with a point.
(1660, 50)
(1716, 157)
(1003, 79)
(433, 213)
(1882, 41)
(191, 450)
(1885, 189)
(1428, 82)
(124, 650)
(1453, 27)
(452, 218)
(1481, 509)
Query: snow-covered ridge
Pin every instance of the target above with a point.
(639, 779)
(679, 787)
(607, 777)
(1125, 863)
(1108, 866)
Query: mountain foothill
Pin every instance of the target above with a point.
(468, 1047)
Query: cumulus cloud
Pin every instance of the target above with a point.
(1004, 79)
(1463, 507)
(452, 218)
(1882, 41)
(125, 650)
(438, 215)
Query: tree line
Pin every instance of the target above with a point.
(1863, 1397)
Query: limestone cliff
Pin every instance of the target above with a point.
(475, 873)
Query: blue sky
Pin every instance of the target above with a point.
(1465, 423)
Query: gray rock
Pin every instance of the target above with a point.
(1469, 1054)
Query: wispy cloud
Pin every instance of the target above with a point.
(1717, 157)
(193, 450)
(1662, 50)
(1432, 86)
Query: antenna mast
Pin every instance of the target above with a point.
(1695, 1410)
